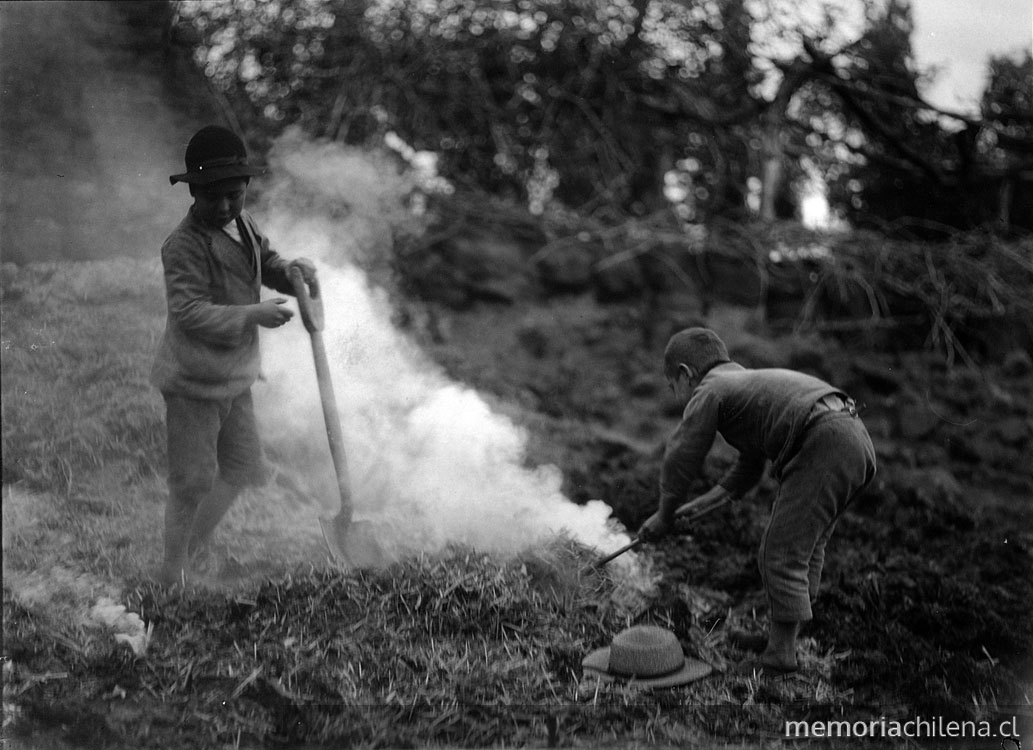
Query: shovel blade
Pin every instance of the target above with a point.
(354, 543)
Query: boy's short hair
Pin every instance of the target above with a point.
(699, 348)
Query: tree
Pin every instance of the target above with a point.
(595, 103)
(1007, 139)
(890, 158)
(501, 89)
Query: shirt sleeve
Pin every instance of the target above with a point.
(744, 474)
(189, 297)
(688, 447)
(274, 267)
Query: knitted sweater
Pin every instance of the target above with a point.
(209, 350)
(761, 413)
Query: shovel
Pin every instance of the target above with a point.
(690, 511)
(347, 539)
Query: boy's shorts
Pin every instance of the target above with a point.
(209, 439)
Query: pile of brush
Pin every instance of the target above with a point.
(460, 648)
(951, 295)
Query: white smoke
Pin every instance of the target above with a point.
(426, 454)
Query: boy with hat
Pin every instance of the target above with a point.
(215, 263)
(821, 455)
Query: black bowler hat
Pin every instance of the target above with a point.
(215, 153)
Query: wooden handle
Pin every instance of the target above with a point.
(690, 511)
(311, 306)
(604, 560)
(334, 436)
(310, 303)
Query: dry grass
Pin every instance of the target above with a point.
(77, 344)
(460, 649)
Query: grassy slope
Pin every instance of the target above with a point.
(459, 649)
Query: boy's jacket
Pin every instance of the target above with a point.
(761, 413)
(208, 350)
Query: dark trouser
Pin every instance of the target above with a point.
(209, 439)
(835, 461)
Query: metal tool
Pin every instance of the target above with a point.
(690, 511)
(348, 539)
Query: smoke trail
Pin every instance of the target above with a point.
(427, 454)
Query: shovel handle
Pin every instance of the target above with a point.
(311, 306)
(334, 435)
(690, 511)
(613, 555)
(310, 303)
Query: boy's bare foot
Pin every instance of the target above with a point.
(779, 656)
(744, 641)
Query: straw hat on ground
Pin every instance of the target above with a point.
(646, 656)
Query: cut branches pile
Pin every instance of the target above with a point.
(953, 293)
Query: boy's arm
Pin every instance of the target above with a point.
(709, 499)
(683, 458)
(189, 297)
(276, 268)
(744, 474)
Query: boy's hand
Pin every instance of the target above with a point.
(655, 527)
(308, 269)
(271, 313)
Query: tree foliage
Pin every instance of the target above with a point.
(1006, 137)
(899, 159)
(615, 107)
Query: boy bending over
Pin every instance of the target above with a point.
(821, 455)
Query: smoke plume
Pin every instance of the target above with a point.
(427, 455)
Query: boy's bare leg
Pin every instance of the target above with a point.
(780, 652)
(179, 518)
(211, 510)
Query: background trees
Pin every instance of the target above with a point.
(616, 108)
(1005, 141)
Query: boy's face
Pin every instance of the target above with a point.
(682, 384)
(221, 202)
